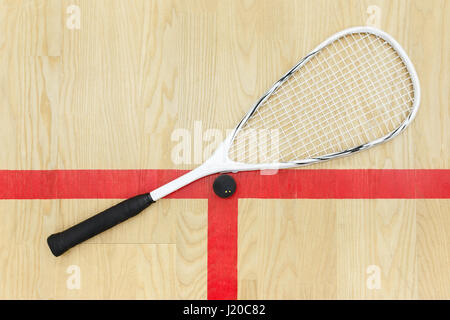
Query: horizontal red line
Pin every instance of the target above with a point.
(303, 183)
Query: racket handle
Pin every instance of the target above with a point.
(63, 241)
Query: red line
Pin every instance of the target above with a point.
(222, 248)
(223, 214)
(306, 183)
(82, 184)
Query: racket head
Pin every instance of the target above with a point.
(356, 80)
(406, 79)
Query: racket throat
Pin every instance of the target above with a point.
(204, 170)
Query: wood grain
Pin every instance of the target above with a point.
(287, 249)
(110, 96)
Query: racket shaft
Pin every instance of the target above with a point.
(204, 170)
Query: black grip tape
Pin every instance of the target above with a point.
(63, 241)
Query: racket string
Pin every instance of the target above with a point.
(312, 123)
(308, 101)
(318, 89)
(337, 141)
(355, 90)
(317, 139)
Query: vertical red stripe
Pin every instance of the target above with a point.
(222, 247)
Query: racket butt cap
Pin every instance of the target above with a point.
(54, 245)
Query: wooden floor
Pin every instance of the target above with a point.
(110, 95)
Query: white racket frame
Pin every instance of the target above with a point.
(220, 162)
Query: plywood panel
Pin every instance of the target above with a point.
(287, 249)
(377, 251)
(433, 248)
(137, 262)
